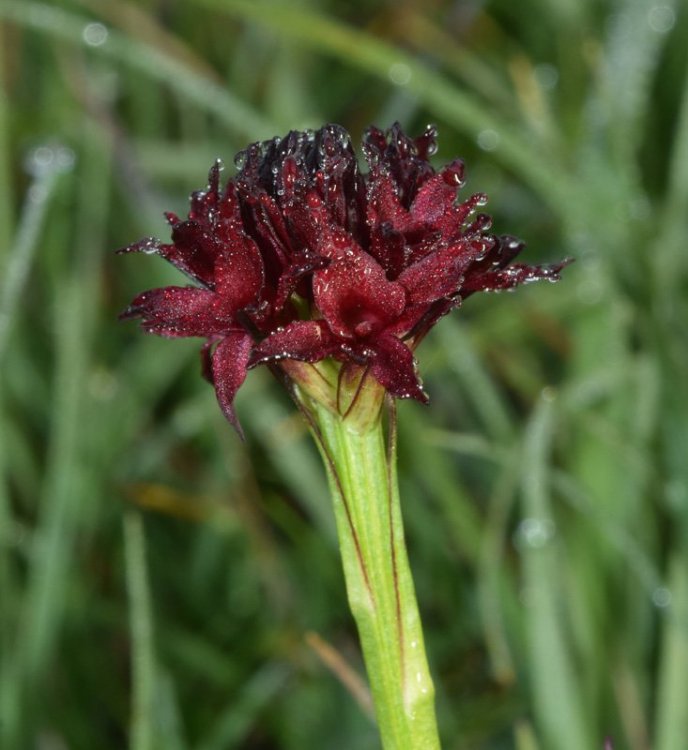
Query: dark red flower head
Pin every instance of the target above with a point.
(301, 256)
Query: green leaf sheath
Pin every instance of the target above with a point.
(362, 475)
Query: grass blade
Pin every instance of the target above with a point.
(194, 87)
(142, 735)
(557, 703)
(672, 717)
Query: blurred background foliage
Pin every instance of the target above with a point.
(163, 585)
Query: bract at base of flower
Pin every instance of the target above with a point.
(359, 398)
(316, 381)
(347, 391)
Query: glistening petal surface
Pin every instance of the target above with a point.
(303, 256)
(229, 366)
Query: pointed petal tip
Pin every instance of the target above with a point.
(563, 263)
(229, 366)
(415, 392)
(135, 309)
(231, 417)
(394, 367)
(303, 340)
(551, 271)
(148, 246)
(128, 314)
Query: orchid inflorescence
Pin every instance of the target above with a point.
(302, 257)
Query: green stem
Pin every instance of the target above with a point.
(363, 481)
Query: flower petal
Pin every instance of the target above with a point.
(204, 203)
(229, 366)
(435, 207)
(264, 222)
(340, 185)
(239, 272)
(402, 157)
(438, 194)
(384, 206)
(148, 245)
(510, 277)
(190, 255)
(393, 365)
(440, 274)
(356, 298)
(503, 251)
(176, 311)
(193, 251)
(305, 340)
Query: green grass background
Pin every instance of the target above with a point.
(158, 578)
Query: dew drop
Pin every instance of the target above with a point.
(488, 139)
(94, 34)
(479, 199)
(534, 533)
(453, 174)
(661, 18)
(482, 223)
(548, 394)
(149, 246)
(399, 73)
(48, 158)
(661, 597)
(40, 159)
(546, 75)
(64, 158)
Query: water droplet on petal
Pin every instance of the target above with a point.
(453, 174)
(431, 149)
(479, 199)
(481, 223)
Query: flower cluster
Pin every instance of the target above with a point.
(301, 256)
